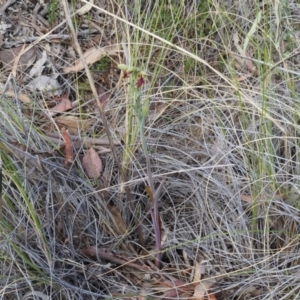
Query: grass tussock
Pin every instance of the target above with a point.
(216, 122)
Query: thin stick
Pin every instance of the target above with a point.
(60, 37)
(85, 140)
(6, 6)
(96, 252)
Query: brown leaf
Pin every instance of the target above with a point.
(197, 275)
(25, 59)
(24, 98)
(68, 147)
(64, 105)
(211, 297)
(201, 289)
(73, 123)
(178, 288)
(91, 251)
(244, 77)
(91, 56)
(246, 198)
(92, 164)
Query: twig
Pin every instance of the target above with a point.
(6, 6)
(96, 252)
(87, 141)
(154, 195)
(78, 145)
(63, 37)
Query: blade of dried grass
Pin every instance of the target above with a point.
(91, 56)
(156, 221)
(30, 212)
(103, 254)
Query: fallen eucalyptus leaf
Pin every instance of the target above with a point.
(92, 164)
(91, 56)
(64, 105)
(85, 8)
(73, 123)
(22, 97)
(201, 289)
(8, 57)
(69, 155)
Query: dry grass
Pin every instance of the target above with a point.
(222, 132)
